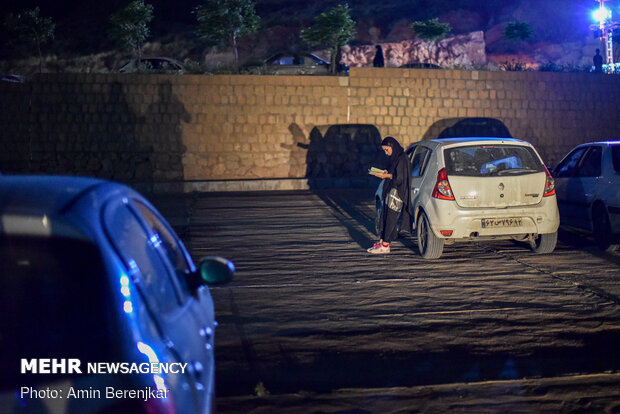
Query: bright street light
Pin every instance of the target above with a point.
(601, 14)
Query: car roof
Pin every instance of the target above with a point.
(42, 194)
(468, 140)
(53, 205)
(436, 143)
(608, 142)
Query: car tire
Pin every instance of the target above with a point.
(429, 245)
(602, 229)
(544, 243)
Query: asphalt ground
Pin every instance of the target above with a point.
(313, 323)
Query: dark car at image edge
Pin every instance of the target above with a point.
(90, 271)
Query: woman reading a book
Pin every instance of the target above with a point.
(396, 195)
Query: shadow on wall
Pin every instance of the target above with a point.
(340, 155)
(111, 140)
(467, 127)
(160, 137)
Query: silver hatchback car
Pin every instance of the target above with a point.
(480, 188)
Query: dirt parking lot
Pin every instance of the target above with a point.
(313, 323)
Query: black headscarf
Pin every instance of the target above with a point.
(397, 149)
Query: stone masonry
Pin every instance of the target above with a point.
(172, 128)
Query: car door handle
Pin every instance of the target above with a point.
(415, 191)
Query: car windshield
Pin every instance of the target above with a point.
(53, 303)
(491, 160)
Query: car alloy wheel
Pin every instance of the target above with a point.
(544, 243)
(429, 245)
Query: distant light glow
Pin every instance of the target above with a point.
(125, 291)
(601, 14)
(128, 306)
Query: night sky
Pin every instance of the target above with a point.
(82, 25)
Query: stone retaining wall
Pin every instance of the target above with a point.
(170, 128)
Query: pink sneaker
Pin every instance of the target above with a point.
(378, 248)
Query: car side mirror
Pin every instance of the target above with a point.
(212, 270)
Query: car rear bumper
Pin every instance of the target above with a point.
(446, 216)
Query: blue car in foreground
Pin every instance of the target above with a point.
(103, 309)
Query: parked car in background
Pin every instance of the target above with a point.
(153, 64)
(421, 65)
(588, 191)
(478, 188)
(297, 64)
(89, 270)
(476, 127)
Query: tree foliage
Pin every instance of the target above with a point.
(226, 21)
(333, 29)
(430, 29)
(32, 29)
(130, 26)
(518, 31)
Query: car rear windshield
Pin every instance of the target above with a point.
(491, 160)
(53, 303)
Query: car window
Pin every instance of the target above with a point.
(590, 165)
(568, 167)
(615, 156)
(169, 244)
(491, 160)
(137, 249)
(419, 160)
(55, 301)
(289, 60)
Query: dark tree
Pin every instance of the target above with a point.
(227, 21)
(130, 26)
(333, 29)
(431, 29)
(31, 29)
(518, 31)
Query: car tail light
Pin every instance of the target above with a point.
(549, 184)
(442, 188)
(446, 233)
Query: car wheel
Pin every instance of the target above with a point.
(544, 243)
(602, 229)
(429, 245)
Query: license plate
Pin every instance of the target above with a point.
(502, 222)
